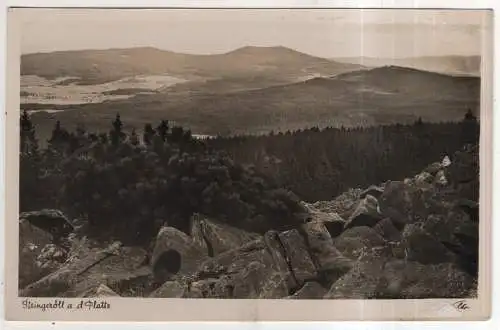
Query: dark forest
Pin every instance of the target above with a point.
(128, 185)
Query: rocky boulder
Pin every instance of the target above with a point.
(49, 220)
(444, 227)
(361, 282)
(252, 282)
(33, 243)
(334, 228)
(175, 253)
(373, 190)
(109, 267)
(310, 290)
(217, 237)
(439, 281)
(463, 173)
(273, 266)
(333, 223)
(320, 216)
(343, 205)
(440, 179)
(470, 207)
(423, 178)
(383, 278)
(397, 202)
(466, 251)
(101, 291)
(51, 256)
(255, 270)
(297, 256)
(355, 240)
(406, 202)
(170, 289)
(423, 247)
(465, 165)
(330, 263)
(386, 229)
(434, 168)
(367, 213)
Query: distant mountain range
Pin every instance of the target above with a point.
(270, 64)
(453, 65)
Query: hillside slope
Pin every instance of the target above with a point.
(384, 95)
(453, 65)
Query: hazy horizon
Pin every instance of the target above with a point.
(379, 33)
(235, 49)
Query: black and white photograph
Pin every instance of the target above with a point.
(250, 154)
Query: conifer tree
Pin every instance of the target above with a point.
(81, 130)
(148, 134)
(134, 139)
(162, 130)
(177, 134)
(116, 134)
(58, 138)
(28, 142)
(470, 128)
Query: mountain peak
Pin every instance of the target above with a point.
(261, 49)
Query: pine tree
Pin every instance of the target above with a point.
(162, 130)
(116, 134)
(470, 129)
(56, 134)
(81, 130)
(188, 135)
(469, 115)
(177, 134)
(134, 139)
(28, 143)
(148, 134)
(58, 138)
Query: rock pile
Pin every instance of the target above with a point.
(416, 238)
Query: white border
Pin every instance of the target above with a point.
(352, 4)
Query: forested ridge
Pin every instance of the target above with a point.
(321, 164)
(126, 186)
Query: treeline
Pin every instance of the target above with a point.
(126, 186)
(321, 164)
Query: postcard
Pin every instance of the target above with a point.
(248, 164)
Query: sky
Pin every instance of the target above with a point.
(326, 33)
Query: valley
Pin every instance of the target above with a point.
(294, 91)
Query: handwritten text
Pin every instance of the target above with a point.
(86, 304)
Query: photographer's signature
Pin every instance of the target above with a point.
(461, 305)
